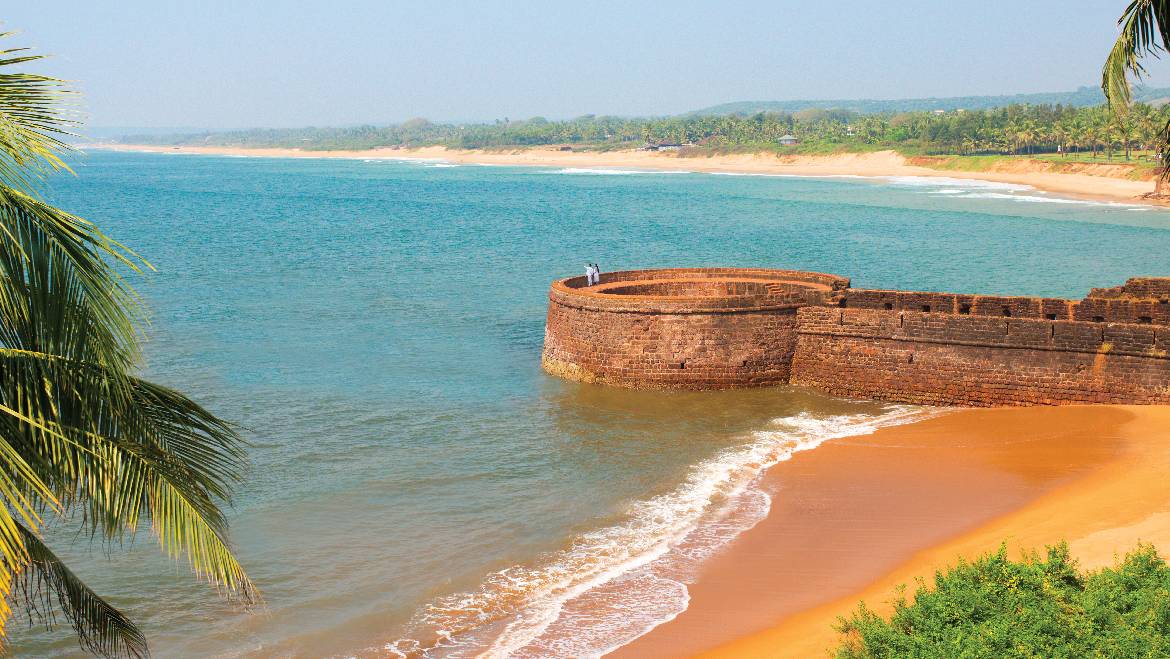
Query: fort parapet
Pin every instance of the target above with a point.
(725, 328)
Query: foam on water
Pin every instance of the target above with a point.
(426, 162)
(950, 182)
(958, 188)
(614, 584)
(975, 189)
(1041, 199)
(616, 172)
(812, 176)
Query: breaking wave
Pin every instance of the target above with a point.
(614, 584)
(953, 183)
(605, 171)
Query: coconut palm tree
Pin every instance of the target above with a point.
(83, 439)
(1145, 30)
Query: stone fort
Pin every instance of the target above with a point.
(719, 328)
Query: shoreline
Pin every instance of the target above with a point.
(860, 515)
(869, 165)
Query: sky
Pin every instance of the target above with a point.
(251, 63)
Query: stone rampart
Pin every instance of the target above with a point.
(712, 328)
(951, 359)
(719, 328)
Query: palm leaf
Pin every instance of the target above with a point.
(34, 116)
(45, 585)
(125, 454)
(1145, 30)
(59, 292)
(78, 431)
(1139, 37)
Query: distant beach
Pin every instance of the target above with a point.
(1093, 182)
(858, 516)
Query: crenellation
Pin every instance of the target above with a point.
(724, 328)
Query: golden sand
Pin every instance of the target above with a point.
(855, 518)
(1100, 183)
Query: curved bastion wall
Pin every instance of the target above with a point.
(685, 328)
(722, 328)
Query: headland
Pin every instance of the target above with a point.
(1099, 182)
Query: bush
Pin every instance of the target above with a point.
(995, 607)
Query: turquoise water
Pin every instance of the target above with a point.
(377, 325)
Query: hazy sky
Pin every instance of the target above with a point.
(225, 64)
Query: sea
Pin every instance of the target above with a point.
(418, 486)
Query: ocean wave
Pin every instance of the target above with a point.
(425, 162)
(1038, 199)
(614, 584)
(812, 176)
(950, 182)
(617, 172)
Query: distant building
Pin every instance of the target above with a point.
(788, 140)
(664, 146)
(940, 111)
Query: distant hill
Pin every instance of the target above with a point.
(1085, 96)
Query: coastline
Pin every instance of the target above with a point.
(858, 516)
(874, 164)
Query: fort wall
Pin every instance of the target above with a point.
(720, 328)
(681, 329)
(948, 359)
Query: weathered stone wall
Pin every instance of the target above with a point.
(720, 328)
(983, 360)
(680, 329)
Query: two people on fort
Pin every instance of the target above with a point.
(592, 274)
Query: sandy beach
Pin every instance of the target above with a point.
(1096, 182)
(856, 517)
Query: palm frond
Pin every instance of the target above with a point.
(122, 455)
(60, 292)
(34, 117)
(45, 586)
(78, 431)
(1145, 30)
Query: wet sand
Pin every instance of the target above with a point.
(1111, 187)
(855, 517)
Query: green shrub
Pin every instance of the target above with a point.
(1036, 607)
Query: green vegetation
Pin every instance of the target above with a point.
(1017, 129)
(84, 441)
(1037, 607)
(1083, 97)
(1145, 30)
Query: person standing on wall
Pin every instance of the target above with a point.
(589, 274)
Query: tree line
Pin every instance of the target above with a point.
(1015, 129)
